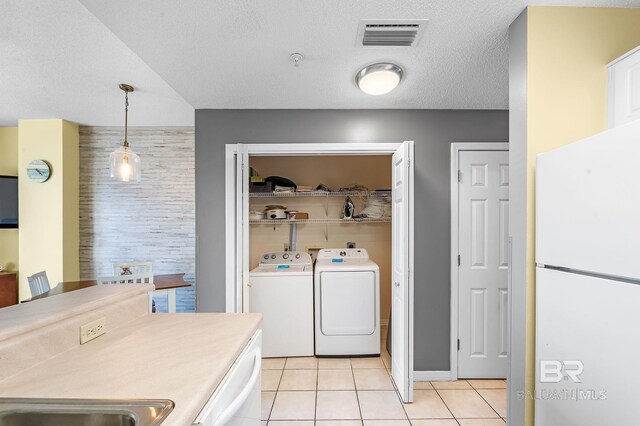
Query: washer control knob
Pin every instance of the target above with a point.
(343, 253)
(297, 255)
(285, 256)
(273, 256)
(266, 256)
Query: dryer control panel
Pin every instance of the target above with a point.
(343, 254)
(285, 257)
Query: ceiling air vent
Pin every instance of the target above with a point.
(394, 33)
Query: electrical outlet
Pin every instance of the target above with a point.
(351, 245)
(93, 329)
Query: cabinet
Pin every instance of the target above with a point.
(624, 88)
(8, 289)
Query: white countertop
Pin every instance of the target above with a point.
(182, 357)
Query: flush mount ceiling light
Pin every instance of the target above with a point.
(124, 163)
(379, 79)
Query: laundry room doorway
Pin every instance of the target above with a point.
(242, 254)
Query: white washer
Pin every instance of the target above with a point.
(281, 289)
(347, 303)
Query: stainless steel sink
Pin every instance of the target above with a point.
(83, 412)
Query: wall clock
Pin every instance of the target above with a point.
(38, 171)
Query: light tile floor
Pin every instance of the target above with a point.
(359, 391)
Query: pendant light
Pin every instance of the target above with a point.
(379, 79)
(124, 163)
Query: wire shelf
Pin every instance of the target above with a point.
(326, 221)
(319, 194)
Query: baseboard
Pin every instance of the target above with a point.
(432, 376)
(384, 322)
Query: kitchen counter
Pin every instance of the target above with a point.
(182, 357)
(19, 319)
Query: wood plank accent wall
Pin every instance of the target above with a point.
(150, 220)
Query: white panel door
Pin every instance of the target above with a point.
(624, 90)
(482, 272)
(402, 271)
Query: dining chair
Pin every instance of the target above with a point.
(145, 278)
(38, 283)
(126, 279)
(128, 268)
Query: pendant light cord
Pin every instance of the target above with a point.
(126, 117)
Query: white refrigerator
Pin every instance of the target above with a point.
(588, 281)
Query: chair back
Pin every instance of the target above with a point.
(38, 283)
(132, 268)
(127, 279)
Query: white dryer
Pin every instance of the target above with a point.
(281, 289)
(347, 303)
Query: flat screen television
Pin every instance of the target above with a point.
(8, 201)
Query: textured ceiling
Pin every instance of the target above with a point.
(60, 59)
(235, 54)
(57, 60)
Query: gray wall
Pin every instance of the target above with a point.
(432, 131)
(151, 220)
(518, 86)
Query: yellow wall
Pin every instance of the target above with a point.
(9, 167)
(71, 201)
(334, 171)
(568, 49)
(9, 151)
(49, 231)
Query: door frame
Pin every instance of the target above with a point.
(456, 147)
(233, 295)
(234, 287)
